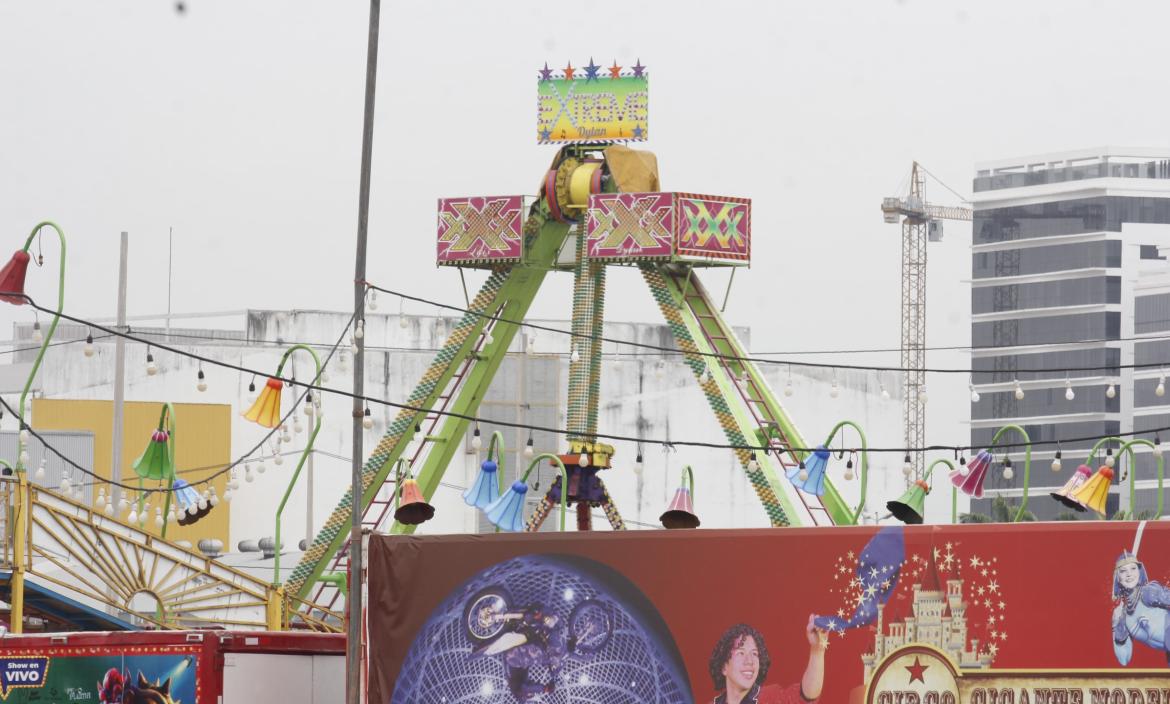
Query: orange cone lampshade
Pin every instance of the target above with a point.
(1078, 479)
(12, 278)
(413, 508)
(266, 410)
(1093, 493)
(681, 512)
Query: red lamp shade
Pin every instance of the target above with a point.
(12, 278)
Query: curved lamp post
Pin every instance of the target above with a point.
(507, 511)
(954, 489)
(1127, 447)
(267, 409)
(864, 470)
(1027, 462)
(12, 291)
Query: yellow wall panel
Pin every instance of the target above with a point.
(203, 446)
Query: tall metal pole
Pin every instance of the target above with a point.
(353, 649)
(170, 268)
(913, 357)
(120, 362)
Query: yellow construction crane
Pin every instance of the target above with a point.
(921, 222)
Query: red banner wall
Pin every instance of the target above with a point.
(637, 616)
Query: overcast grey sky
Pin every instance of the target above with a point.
(238, 123)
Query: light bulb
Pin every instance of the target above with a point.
(476, 440)
(158, 518)
(278, 459)
(848, 474)
(201, 384)
(1056, 462)
(248, 476)
(659, 370)
(39, 476)
(1008, 473)
(885, 393)
(530, 348)
(788, 388)
(260, 468)
(343, 362)
(298, 428)
(372, 301)
(23, 436)
(88, 349)
(834, 390)
(213, 499)
(753, 464)
(974, 394)
(109, 509)
(359, 330)
(65, 485)
(353, 348)
(151, 369)
(802, 475)
(1111, 391)
(37, 336)
(402, 323)
(1069, 394)
(324, 376)
(123, 504)
(1157, 447)
(706, 374)
(203, 503)
(172, 517)
(964, 470)
(922, 397)
(1110, 460)
(638, 466)
(1019, 391)
(24, 458)
(227, 495)
(133, 517)
(574, 356)
(1160, 389)
(528, 450)
(487, 338)
(367, 420)
(583, 460)
(907, 466)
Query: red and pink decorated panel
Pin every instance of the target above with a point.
(695, 228)
(714, 227)
(480, 229)
(627, 226)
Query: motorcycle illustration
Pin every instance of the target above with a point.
(529, 637)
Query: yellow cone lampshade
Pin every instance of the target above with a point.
(1095, 491)
(266, 410)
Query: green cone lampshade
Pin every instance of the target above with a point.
(909, 508)
(155, 462)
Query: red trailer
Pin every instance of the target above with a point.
(173, 667)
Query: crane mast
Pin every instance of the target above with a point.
(921, 222)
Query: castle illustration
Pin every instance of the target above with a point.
(939, 619)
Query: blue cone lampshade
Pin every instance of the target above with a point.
(188, 501)
(507, 511)
(486, 488)
(814, 467)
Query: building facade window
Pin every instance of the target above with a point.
(1046, 294)
(1046, 260)
(1043, 331)
(1101, 361)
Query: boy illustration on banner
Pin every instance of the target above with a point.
(1143, 609)
(740, 662)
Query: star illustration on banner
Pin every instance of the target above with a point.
(546, 73)
(917, 670)
(615, 71)
(638, 69)
(545, 134)
(569, 71)
(638, 131)
(591, 71)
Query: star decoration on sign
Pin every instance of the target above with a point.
(569, 71)
(638, 131)
(545, 73)
(916, 671)
(638, 69)
(545, 134)
(615, 71)
(591, 71)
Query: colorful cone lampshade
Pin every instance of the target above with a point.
(972, 484)
(1093, 493)
(188, 500)
(1076, 481)
(413, 508)
(12, 278)
(486, 488)
(266, 410)
(681, 512)
(908, 508)
(814, 467)
(155, 461)
(507, 511)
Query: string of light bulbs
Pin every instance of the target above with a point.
(534, 428)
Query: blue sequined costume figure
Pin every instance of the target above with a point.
(1143, 613)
